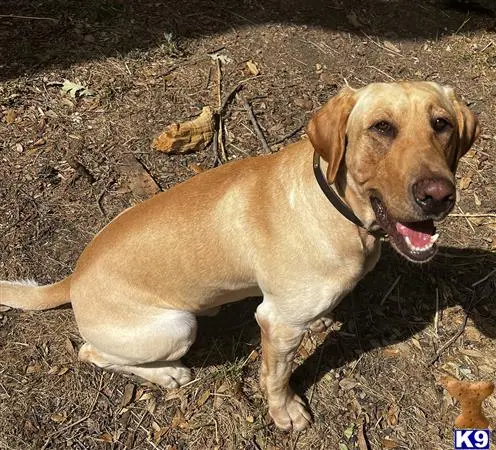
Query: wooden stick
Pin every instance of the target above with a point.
(449, 342)
(492, 215)
(468, 221)
(220, 122)
(289, 135)
(388, 293)
(489, 275)
(255, 124)
(13, 16)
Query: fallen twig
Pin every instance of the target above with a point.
(390, 51)
(468, 221)
(255, 124)
(13, 16)
(382, 72)
(388, 293)
(436, 317)
(289, 135)
(100, 198)
(492, 215)
(489, 275)
(220, 122)
(361, 438)
(229, 96)
(449, 342)
(176, 66)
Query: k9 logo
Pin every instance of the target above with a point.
(472, 439)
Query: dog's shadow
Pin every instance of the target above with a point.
(370, 318)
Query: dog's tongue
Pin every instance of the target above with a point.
(419, 233)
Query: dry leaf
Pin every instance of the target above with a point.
(250, 419)
(477, 200)
(139, 393)
(471, 353)
(69, 347)
(224, 387)
(391, 352)
(145, 396)
(348, 383)
(472, 334)
(390, 46)
(252, 68)
(57, 417)
(5, 309)
(63, 371)
(203, 398)
(10, 116)
(105, 437)
(157, 435)
(388, 443)
(187, 136)
(33, 368)
(195, 168)
(75, 90)
(393, 415)
(127, 397)
(179, 421)
(416, 343)
(465, 182)
(152, 405)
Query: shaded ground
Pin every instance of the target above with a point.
(65, 172)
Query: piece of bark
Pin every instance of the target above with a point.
(189, 136)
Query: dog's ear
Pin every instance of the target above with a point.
(467, 123)
(327, 130)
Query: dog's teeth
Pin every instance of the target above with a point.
(421, 249)
(408, 242)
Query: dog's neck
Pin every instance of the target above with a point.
(344, 188)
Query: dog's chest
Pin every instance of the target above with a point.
(342, 275)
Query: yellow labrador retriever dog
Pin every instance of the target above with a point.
(300, 227)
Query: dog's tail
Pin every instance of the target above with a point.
(28, 295)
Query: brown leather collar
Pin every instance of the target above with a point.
(331, 194)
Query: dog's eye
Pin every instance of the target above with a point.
(385, 128)
(439, 125)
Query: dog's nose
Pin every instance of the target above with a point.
(434, 195)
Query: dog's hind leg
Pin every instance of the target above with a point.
(147, 345)
(168, 374)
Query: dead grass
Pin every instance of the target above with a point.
(65, 173)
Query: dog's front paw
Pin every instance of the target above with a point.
(292, 415)
(321, 325)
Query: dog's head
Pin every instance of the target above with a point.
(395, 147)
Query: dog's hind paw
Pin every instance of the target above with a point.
(171, 377)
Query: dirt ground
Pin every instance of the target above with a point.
(69, 165)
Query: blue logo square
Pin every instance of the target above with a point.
(472, 439)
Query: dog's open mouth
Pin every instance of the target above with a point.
(416, 241)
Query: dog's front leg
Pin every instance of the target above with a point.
(279, 345)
